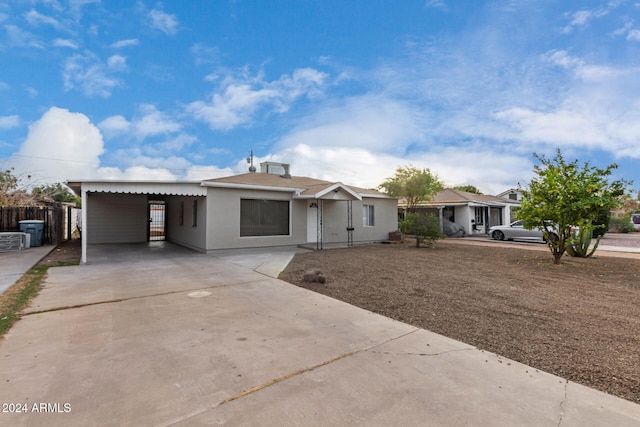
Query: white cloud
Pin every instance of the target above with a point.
(65, 43)
(60, 145)
(147, 123)
(634, 35)
(136, 173)
(204, 54)
(365, 168)
(35, 18)
(125, 43)
(240, 98)
(153, 122)
(114, 126)
(137, 156)
(31, 92)
(436, 4)
(164, 22)
(198, 173)
(77, 4)
(90, 75)
(624, 29)
(8, 122)
(18, 37)
(583, 70)
(66, 145)
(582, 18)
(117, 63)
(373, 122)
(561, 127)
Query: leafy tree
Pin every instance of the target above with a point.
(601, 223)
(412, 184)
(56, 192)
(563, 195)
(426, 228)
(12, 192)
(468, 189)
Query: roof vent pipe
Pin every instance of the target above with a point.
(286, 171)
(250, 161)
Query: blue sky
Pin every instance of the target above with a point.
(342, 90)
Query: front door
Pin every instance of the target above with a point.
(157, 223)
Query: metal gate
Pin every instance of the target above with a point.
(157, 224)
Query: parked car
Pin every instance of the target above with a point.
(516, 231)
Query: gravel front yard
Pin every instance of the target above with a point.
(579, 320)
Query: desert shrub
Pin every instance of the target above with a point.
(425, 228)
(622, 224)
(579, 243)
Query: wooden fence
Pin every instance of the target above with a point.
(53, 217)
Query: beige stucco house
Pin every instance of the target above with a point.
(242, 211)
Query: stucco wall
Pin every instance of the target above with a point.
(116, 218)
(463, 217)
(336, 217)
(186, 234)
(223, 218)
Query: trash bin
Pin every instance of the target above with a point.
(34, 228)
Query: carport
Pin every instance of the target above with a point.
(136, 211)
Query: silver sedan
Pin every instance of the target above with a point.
(515, 231)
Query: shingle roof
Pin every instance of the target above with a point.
(450, 196)
(309, 186)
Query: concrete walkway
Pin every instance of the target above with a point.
(166, 337)
(15, 263)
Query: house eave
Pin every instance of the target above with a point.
(236, 186)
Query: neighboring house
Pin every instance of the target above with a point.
(470, 212)
(242, 211)
(511, 194)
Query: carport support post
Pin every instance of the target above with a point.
(83, 227)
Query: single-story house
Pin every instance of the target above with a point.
(472, 213)
(242, 211)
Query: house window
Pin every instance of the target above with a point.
(264, 217)
(368, 215)
(194, 214)
(513, 196)
(449, 212)
(479, 216)
(181, 214)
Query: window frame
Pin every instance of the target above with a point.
(368, 215)
(261, 229)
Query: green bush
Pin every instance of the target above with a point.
(425, 228)
(601, 223)
(622, 224)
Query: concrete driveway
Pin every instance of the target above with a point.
(163, 336)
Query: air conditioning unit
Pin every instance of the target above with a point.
(14, 241)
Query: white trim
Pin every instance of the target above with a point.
(83, 229)
(334, 187)
(376, 196)
(174, 188)
(252, 187)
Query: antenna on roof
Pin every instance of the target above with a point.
(250, 161)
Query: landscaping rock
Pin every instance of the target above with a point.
(314, 275)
